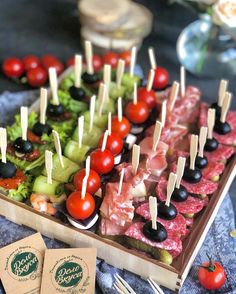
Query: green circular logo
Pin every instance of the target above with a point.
(69, 274)
(23, 264)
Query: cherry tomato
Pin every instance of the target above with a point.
(13, 67)
(70, 61)
(93, 182)
(111, 58)
(36, 77)
(80, 208)
(122, 128)
(211, 275)
(126, 56)
(137, 113)
(149, 97)
(14, 182)
(97, 63)
(161, 78)
(52, 61)
(102, 161)
(31, 61)
(114, 143)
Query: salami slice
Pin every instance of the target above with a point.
(213, 170)
(227, 139)
(222, 153)
(202, 188)
(231, 119)
(189, 223)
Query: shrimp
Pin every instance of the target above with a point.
(42, 203)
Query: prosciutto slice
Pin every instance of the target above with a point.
(109, 228)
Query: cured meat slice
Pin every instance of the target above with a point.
(202, 188)
(227, 139)
(189, 222)
(231, 119)
(222, 153)
(109, 228)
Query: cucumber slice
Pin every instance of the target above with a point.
(41, 185)
(89, 138)
(99, 121)
(108, 106)
(128, 82)
(74, 153)
(115, 92)
(60, 174)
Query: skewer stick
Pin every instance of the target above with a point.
(202, 140)
(43, 105)
(153, 211)
(48, 166)
(152, 58)
(119, 72)
(53, 85)
(222, 91)
(170, 187)
(225, 106)
(24, 121)
(135, 95)
(193, 150)
(121, 181)
(84, 187)
(101, 97)
(150, 80)
(107, 78)
(3, 144)
(92, 111)
(57, 144)
(182, 81)
(104, 142)
(173, 95)
(109, 124)
(119, 109)
(89, 57)
(87, 166)
(210, 122)
(78, 70)
(135, 158)
(80, 130)
(132, 60)
(180, 170)
(163, 113)
(156, 135)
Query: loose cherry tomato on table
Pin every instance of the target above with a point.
(114, 143)
(211, 275)
(126, 56)
(36, 77)
(161, 78)
(80, 208)
(31, 61)
(93, 181)
(52, 61)
(102, 161)
(149, 97)
(13, 67)
(137, 113)
(111, 58)
(122, 128)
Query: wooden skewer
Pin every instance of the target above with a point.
(135, 158)
(48, 166)
(84, 186)
(222, 91)
(109, 124)
(107, 79)
(163, 113)
(119, 109)
(156, 135)
(170, 187)
(92, 111)
(119, 72)
(150, 80)
(182, 81)
(104, 142)
(210, 122)
(89, 57)
(173, 95)
(24, 121)
(180, 170)
(78, 70)
(3, 144)
(121, 181)
(225, 106)
(132, 61)
(202, 141)
(135, 95)
(193, 150)
(153, 211)
(43, 105)
(87, 166)
(57, 144)
(80, 130)
(152, 58)
(101, 97)
(53, 85)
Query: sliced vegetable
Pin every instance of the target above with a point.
(41, 185)
(74, 153)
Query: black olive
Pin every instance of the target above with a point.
(90, 78)
(211, 145)
(55, 110)
(180, 194)
(7, 170)
(23, 146)
(40, 129)
(167, 212)
(158, 235)
(217, 108)
(201, 162)
(77, 93)
(192, 175)
(222, 128)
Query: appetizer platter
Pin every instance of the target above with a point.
(136, 168)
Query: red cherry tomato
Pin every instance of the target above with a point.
(93, 182)
(137, 113)
(126, 56)
(80, 208)
(13, 67)
(51, 61)
(111, 58)
(149, 97)
(161, 78)
(70, 61)
(211, 275)
(97, 63)
(31, 61)
(122, 128)
(36, 77)
(114, 143)
(102, 161)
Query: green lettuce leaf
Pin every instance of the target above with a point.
(71, 104)
(26, 165)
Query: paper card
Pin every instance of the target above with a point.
(69, 271)
(21, 265)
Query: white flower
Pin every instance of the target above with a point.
(224, 13)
